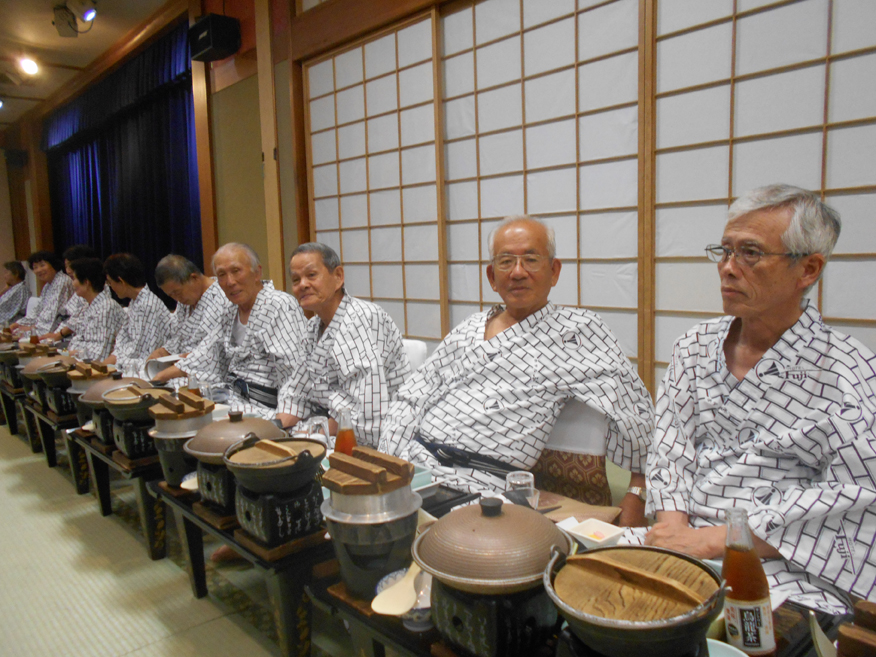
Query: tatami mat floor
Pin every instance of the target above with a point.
(75, 583)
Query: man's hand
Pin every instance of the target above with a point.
(169, 373)
(287, 420)
(704, 543)
(632, 507)
(158, 353)
(52, 336)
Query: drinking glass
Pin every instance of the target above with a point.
(524, 484)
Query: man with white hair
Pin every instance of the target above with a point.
(485, 402)
(256, 345)
(770, 410)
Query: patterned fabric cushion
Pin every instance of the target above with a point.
(579, 476)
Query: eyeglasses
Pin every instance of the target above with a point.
(531, 262)
(745, 255)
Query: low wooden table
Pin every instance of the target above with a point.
(101, 458)
(8, 398)
(43, 425)
(287, 570)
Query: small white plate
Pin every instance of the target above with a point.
(190, 481)
(593, 533)
(721, 649)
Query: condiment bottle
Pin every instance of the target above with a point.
(346, 439)
(748, 614)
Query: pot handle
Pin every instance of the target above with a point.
(249, 440)
(556, 555)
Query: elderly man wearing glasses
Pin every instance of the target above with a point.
(485, 402)
(770, 410)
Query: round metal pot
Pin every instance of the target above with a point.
(279, 475)
(370, 509)
(490, 548)
(132, 403)
(658, 638)
(36, 366)
(213, 440)
(55, 375)
(93, 397)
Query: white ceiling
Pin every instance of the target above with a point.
(26, 28)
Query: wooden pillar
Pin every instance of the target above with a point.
(38, 174)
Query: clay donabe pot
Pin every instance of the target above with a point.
(9, 353)
(274, 466)
(36, 366)
(132, 403)
(54, 375)
(93, 397)
(212, 441)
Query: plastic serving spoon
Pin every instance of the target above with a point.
(399, 598)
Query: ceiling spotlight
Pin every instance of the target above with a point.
(85, 10)
(28, 66)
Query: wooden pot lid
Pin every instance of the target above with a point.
(269, 453)
(85, 371)
(185, 406)
(366, 472)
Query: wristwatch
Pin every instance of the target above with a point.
(639, 492)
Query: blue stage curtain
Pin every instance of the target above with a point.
(123, 172)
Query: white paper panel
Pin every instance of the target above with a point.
(853, 22)
(864, 334)
(692, 175)
(667, 329)
(418, 125)
(566, 234)
(780, 102)
(610, 284)
(694, 58)
(858, 213)
(382, 171)
(386, 244)
(565, 292)
(357, 281)
(609, 185)
(348, 68)
(550, 144)
(794, 160)
(499, 109)
(464, 282)
(675, 15)
(541, 12)
(607, 29)
(352, 176)
(322, 113)
(462, 241)
(355, 245)
(459, 312)
(351, 140)
(549, 47)
(609, 81)
(424, 319)
(382, 95)
(746, 5)
(842, 298)
(421, 242)
(385, 207)
(422, 282)
(415, 43)
(850, 156)
(659, 372)
(460, 160)
(351, 104)
(691, 286)
(462, 200)
(418, 164)
(326, 213)
(501, 152)
(694, 117)
(387, 281)
(330, 238)
(609, 235)
(687, 231)
(490, 297)
(782, 36)
(501, 197)
(498, 63)
(396, 310)
(487, 228)
(322, 147)
(320, 79)
(850, 96)
(551, 191)
(459, 117)
(421, 203)
(325, 180)
(383, 133)
(496, 18)
(354, 210)
(459, 75)
(456, 31)
(380, 56)
(609, 134)
(624, 325)
(415, 84)
(550, 96)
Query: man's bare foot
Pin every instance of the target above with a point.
(224, 554)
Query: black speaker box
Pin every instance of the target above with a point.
(214, 37)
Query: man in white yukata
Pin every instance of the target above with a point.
(256, 346)
(75, 304)
(13, 300)
(770, 410)
(147, 319)
(57, 289)
(200, 304)
(485, 402)
(354, 355)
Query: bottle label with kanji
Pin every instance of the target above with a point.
(749, 625)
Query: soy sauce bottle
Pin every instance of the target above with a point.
(748, 614)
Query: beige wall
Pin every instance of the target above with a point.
(7, 245)
(237, 158)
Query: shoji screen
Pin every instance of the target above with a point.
(540, 117)
(373, 172)
(753, 94)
